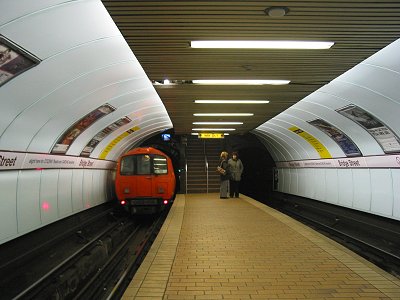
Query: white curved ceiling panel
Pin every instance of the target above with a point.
(41, 82)
(11, 9)
(149, 116)
(61, 27)
(271, 147)
(85, 63)
(384, 58)
(300, 146)
(372, 85)
(292, 118)
(75, 91)
(326, 105)
(150, 127)
(117, 94)
(380, 81)
(275, 133)
(383, 108)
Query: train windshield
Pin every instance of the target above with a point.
(160, 164)
(144, 164)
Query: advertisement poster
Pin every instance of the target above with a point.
(316, 144)
(13, 61)
(385, 137)
(344, 142)
(75, 130)
(102, 134)
(115, 141)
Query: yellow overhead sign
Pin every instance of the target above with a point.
(211, 135)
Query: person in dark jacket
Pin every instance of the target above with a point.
(235, 169)
(223, 171)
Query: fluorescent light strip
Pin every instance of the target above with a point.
(196, 133)
(232, 101)
(213, 129)
(262, 44)
(223, 114)
(217, 123)
(240, 81)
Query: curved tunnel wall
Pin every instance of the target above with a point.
(324, 165)
(84, 64)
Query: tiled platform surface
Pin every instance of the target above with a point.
(211, 248)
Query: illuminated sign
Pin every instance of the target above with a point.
(211, 135)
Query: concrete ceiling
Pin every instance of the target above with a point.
(159, 33)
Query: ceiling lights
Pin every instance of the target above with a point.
(213, 129)
(240, 81)
(223, 114)
(232, 101)
(262, 44)
(217, 123)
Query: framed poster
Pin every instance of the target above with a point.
(348, 146)
(14, 60)
(76, 129)
(383, 135)
(102, 134)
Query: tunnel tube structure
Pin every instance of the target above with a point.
(78, 99)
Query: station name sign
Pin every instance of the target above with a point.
(211, 135)
(379, 161)
(20, 161)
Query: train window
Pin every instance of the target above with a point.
(160, 164)
(127, 165)
(143, 164)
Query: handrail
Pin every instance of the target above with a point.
(206, 163)
(186, 171)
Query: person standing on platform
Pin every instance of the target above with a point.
(235, 170)
(223, 170)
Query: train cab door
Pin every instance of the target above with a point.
(144, 184)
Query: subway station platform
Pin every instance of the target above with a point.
(211, 248)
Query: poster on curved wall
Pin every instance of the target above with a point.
(13, 60)
(102, 134)
(63, 143)
(345, 143)
(384, 136)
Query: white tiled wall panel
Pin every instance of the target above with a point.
(8, 208)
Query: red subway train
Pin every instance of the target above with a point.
(145, 180)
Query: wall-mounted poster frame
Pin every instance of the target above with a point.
(384, 136)
(14, 60)
(344, 142)
(102, 134)
(77, 128)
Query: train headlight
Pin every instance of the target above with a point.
(165, 202)
(127, 190)
(123, 202)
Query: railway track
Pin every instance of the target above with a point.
(93, 260)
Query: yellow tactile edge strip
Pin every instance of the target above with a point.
(151, 279)
(383, 281)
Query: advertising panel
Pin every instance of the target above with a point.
(13, 60)
(348, 146)
(102, 134)
(76, 129)
(316, 144)
(384, 136)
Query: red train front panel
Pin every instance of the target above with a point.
(145, 180)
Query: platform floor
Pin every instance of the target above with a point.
(211, 248)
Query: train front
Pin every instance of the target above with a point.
(145, 181)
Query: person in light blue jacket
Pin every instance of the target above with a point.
(235, 170)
